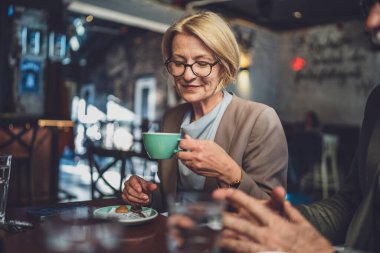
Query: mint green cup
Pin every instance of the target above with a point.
(161, 145)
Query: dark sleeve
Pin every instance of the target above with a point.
(265, 160)
(333, 215)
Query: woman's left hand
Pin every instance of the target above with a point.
(208, 159)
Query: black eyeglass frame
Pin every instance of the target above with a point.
(191, 67)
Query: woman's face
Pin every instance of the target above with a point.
(193, 89)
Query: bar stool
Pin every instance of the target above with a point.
(329, 177)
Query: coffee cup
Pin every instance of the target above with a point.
(161, 145)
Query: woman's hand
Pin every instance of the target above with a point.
(137, 190)
(261, 229)
(208, 159)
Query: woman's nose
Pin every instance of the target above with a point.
(188, 74)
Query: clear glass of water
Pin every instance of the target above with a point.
(74, 234)
(5, 171)
(194, 223)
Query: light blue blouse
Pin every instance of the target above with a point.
(202, 129)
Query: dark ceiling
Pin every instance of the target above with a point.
(274, 14)
(279, 14)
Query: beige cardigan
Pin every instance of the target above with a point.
(251, 133)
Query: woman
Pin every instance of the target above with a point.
(229, 142)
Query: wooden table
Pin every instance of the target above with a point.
(147, 237)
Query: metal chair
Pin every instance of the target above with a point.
(108, 170)
(20, 136)
(102, 161)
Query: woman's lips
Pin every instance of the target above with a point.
(190, 89)
(190, 86)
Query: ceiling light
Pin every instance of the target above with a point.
(66, 61)
(134, 13)
(79, 28)
(77, 22)
(297, 14)
(74, 43)
(89, 18)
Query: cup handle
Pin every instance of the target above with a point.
(178, 150)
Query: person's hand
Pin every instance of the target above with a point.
(277, 200)
(208, 159)
(264, 230)
(275, 203)
(137, 190)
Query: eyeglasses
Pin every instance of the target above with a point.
(199, 68)
(366, 6)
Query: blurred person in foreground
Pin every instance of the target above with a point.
(228, 141)
(351, 217)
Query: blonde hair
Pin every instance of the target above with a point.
(215, 33)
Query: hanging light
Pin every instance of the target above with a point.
(74, 43)
(297, 14)
(243, 80)
(245, 60)
(89, 18)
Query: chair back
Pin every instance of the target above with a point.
(107, 170)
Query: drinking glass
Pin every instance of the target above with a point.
(194, 224)
(82, 235)
(5, 171)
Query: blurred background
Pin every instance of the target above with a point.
(80, 80)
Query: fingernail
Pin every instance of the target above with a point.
(145, 196)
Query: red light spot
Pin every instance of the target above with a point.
(298, 63)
